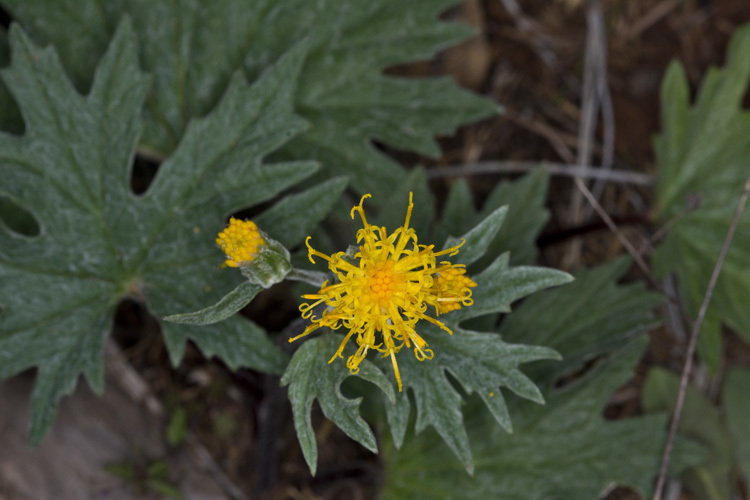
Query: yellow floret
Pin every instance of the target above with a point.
(240, 241)
(451, 288)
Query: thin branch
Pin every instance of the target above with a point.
(531, 28)
(652, 17)
(594, 58)
(613, 227)
(607, 110)
(687, 367)
(563, 169)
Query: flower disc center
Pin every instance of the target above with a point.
(382, 282)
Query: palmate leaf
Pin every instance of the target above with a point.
(591, 316)
(99, 242)
(564, 449)
(481, 362)
(192, 48)
(702, 153)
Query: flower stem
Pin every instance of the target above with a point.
(314, 278)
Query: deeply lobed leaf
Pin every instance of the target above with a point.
(567, 437)
(310, 377)
(192, 48)
(563, 450)
(98, 242)
(702, 155)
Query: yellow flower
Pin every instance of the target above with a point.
(240, 241)
(451, 288)
(384, 290)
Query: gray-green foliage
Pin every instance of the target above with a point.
(310, 377)
(526, 216)
(564, 449)
(193, 47)
(99, 242)
(703, 154)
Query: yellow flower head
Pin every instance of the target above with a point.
(384, 290)
(240, 241)
(452, 288)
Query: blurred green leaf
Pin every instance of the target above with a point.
(177, 427)
(737, 406)
(123, 470)
(700, 420)
(192, 48)
(702, 160)
(157, 469)
(161, 486)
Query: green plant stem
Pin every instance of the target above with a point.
(314, 278)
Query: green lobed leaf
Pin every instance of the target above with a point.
(310, 377)
(737, 406)
(479, 362)
(702, 154)
(562, 450)
(525, 199)
(98, 242)
(567, 437)
(591, 316)
(459, 214)
(499, 285)
(476, 241)
(700, 420)
(192, 48)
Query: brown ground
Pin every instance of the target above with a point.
(533, 64)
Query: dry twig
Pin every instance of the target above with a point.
(595, 96)
(562, 169)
